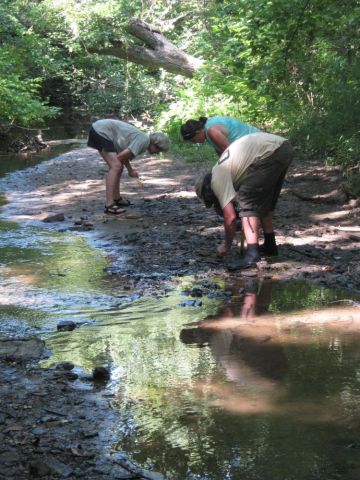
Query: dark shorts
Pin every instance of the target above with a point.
(100, 143)
(261, 187)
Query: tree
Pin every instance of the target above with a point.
(158, 53)
(289, 66)
(20, 94)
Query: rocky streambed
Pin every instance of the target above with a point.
(58, 422)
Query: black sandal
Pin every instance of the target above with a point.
(113, 209)
(122, 202)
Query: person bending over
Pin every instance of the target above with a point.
(219, 131)
(246, 181)
(119, 142)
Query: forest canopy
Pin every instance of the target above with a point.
(286, 66)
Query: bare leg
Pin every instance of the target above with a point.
(250, 227)
(113, 176)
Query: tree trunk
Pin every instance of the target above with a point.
(158, 52)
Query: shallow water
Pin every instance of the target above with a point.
(262, 381)
(14, 162)
(238, 396)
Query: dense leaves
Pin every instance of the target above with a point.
(286, 66)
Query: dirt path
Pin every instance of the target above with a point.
(166, 231)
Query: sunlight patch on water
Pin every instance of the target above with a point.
(53, 276)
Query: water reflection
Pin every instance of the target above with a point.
(265, 396)
(11, 162)
(257, 351)
(250, 355)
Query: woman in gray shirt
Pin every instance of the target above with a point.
(119, 142)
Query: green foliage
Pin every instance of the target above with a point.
(291, 67)
(20, 103)
(286, 66)
(20, 97)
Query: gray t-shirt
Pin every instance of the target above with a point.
(123, 135)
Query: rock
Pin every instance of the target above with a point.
(218, 295)
(191, 303)
(263, 265)
(58, 217)
(9, 458)
(83, 222)
(81, 228)
(49, 466)
(135, 470)
(86, 377)
(66, 326)
(196, 292)
(133, 216)
(64, 366)
(89, 433)
(21, 349)
(101, 374)
(71, 375)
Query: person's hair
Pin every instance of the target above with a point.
(205, 192)
(160, 140)
(190, 127)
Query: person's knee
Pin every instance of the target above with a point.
(117, 167)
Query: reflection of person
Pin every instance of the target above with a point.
(250, 173)
(219, 131)
(244, 346)
(119, 142)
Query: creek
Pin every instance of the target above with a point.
(213, 378)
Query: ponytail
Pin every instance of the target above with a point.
(189, 129)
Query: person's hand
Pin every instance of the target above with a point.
(133, 173)
(221, 250)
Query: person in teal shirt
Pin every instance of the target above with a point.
(219, 131)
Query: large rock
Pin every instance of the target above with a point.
(21, 349)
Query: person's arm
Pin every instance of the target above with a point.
(219, 137)
(230, 216)
(125, 156)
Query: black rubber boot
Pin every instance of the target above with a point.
(269, 247)
(249, 260)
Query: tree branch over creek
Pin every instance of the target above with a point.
(156, 51)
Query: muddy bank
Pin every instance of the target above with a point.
(166, 231)
(55, 422)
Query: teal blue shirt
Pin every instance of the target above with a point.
(235, 129)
